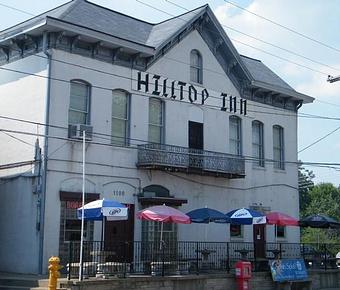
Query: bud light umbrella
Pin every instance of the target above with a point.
(102, 209)
(246, 216)
(163, 214)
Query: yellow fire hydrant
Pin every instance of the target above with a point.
(53, 268)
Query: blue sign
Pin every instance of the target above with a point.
(288, 270)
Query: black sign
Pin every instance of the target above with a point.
(163, 87)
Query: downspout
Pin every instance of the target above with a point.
(44, 173)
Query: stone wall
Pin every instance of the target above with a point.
(260, 281)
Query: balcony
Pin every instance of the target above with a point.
(195, 161)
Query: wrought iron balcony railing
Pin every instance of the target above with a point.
(182, 159)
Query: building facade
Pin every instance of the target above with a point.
(171, 113)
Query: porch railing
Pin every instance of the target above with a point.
(177, 158)
(125, 258)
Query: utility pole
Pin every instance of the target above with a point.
(332, 79)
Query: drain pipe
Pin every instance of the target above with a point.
(44, 173)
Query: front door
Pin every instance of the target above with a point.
(118, 238)
(195, 144)
(259, 232)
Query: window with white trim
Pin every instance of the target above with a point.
(235, 133)
(120, 118)
(196, 67)
(156, 121)
(278, 147)
(257, 143)
(79, 109)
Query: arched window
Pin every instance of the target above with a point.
(235, 135)
(196, 67)
(79, 109)
(257, 143)
(156, 124)
(278, 147)
(120, 117)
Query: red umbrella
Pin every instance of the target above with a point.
(163, 214)
(281, 219)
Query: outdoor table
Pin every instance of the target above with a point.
(244, 253)
(205, 253)
(277, 253)
(101, 255)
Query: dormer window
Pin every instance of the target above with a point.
(196, 67)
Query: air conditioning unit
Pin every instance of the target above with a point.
(75, 131)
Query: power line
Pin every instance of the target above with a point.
(263, 41)
(318, 140)
(16, 9)
(286, 60)
(177, 60)
(284, 27)
(246, 158)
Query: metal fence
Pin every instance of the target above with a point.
(181, 258)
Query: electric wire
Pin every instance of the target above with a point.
(250, 159)
(263, 41)
(16, 9)
(184, 62)
(263, 51)
(319, 139)
(284, 27)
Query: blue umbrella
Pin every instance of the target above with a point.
(246, 216)
(206, 215)
(103, 208)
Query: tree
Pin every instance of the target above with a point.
(306, 184)
(324, 198)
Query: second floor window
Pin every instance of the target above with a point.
(156, 127)
(120, 118)
(196, 67)
(278, 147)
(235, 142)
(257, 143)
(79, 110)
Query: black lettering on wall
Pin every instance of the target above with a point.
(141, 82)
(165, 94)
(205, 96)
(173, 90)
(232, 104)
(224, 108)
(192, 94)
(243, 107)
(181, 85)
(155, 91)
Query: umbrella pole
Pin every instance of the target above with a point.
(161, 238)
(102, 234)
(82, 216)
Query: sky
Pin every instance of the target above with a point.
(303, 48)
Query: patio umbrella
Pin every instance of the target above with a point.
(102, 209)
(163, 214)
(280, 219)
(207, 215)
(246, 216)
(319, 221)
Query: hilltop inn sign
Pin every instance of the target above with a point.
(178, 90)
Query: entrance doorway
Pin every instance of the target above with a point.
(195, 141)
(259, 233)
(118, 240)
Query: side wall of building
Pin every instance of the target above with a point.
(23, 88)
(19, 239)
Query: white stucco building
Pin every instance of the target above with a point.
(173, 115)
